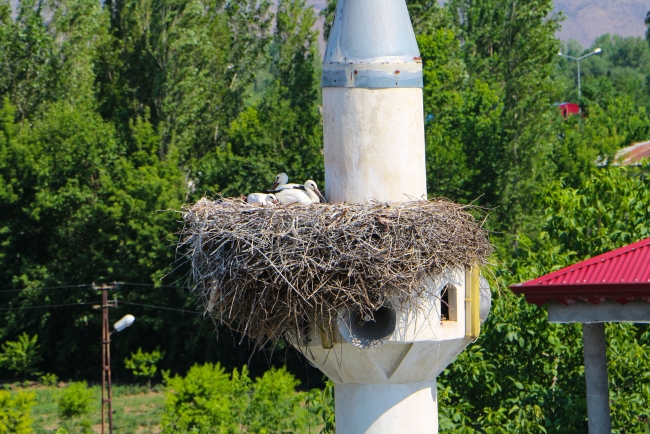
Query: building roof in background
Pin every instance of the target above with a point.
(630, 156)
(621, 275)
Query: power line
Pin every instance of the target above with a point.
(152, 285)
(45, 306)
(46, 288)
(88, 285)
(86, 303)
(159, 307)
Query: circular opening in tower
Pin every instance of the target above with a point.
(368, 331)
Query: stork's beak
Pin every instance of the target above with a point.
(320, 195)
(275, 184)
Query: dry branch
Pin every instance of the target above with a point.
(267, 271)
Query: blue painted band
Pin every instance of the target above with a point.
(370, 79)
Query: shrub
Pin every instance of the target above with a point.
(15, 412)
(209, 400)
(75, 400)
(274, 406)
(49, 379)
(143, 365)
(321, 404)
(21, 356)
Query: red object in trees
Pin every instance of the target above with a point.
(568, 108)
(621, 275)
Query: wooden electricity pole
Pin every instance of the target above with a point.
(106, 353)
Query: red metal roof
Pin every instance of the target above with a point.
(632, 155)
(621, 275)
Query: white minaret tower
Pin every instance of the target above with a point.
(385, 369)
(372, 104)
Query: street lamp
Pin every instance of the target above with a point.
(123, 323)
(578, 59)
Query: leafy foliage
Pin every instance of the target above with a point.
(495, 384)
(15, 412)
(321, 403)
(75, 400)
(111, 112)
(143, 364)
(210, 400)
(49, 379)
(20, 356)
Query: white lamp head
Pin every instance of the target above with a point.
(598, 50)
(125, 322)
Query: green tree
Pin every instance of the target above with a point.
(620, 70)
(21, 356)
(527, 375)
(281, 133)
(210, 400)
(321, 403)
(511, 47)
(206, 400)
(75, 400)
(274, 405)
(144, 364)
(15, 412)
(105, 112)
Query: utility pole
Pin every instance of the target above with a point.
(106, 353)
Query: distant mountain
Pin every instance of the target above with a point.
(588, 19)
(585, 19)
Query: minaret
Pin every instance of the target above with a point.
(384, 369)
(372, 104)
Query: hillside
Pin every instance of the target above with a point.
(588, 19)
(585, 19)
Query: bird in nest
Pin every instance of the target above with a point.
(299, 194)
(263, 199)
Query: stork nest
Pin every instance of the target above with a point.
(266, 271)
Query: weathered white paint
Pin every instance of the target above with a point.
(595, 351)
(373, 126)
(386, 408)
(374, 144)
(419, 349)
(607, 311)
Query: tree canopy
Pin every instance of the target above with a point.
(115, 114)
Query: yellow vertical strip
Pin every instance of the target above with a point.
(472, 303)
(326, 334)
(476, 302)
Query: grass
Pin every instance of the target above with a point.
(135, 410)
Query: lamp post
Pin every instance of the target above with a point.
(123, 323)
(578, 59)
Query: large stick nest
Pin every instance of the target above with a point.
(266, 271)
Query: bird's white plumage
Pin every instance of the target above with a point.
(289, 196)
(261, 199)
(314, 193)
(281, 183)
(306, 195)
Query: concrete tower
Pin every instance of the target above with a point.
(385, 369)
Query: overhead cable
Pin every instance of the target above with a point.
(88, 285)
(45, 288)
(45, 306)
(159, 307)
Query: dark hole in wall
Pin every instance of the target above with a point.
(444, 303)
